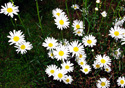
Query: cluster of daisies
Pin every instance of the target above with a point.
(9, 9)
(63, 51)
(17, 38)
(105, 83)
(102, 62)
(118, 32)
(62, 22)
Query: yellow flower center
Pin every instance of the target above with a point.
(16, 38)
(77, 26)
(116, 33)
(75, 7)
(61, 53)
(79, 32)
(60, 75)
(9, 10)
(67, 80)
(97, 66)
(80, 56)
(86, 69)
(66, 67)
(122, 81)
(116, 52)
(103, 61)
(58, 14)
(51, 54)
(107, 69)
(76, 49)
(52, 71)
(103, 84)
(61, 22)
(81, 63)
(50, 44)
(89, 41)
(23, 47)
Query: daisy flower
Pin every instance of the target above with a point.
(76, 48)
(57, 12)
(103, 83)
(78, 32)
(86, 69)
(9, 9)
(97, 1)
(107, 69)
(104, 14)
(77, 24)
(67, 79)
(121, 81)
(50, 43)
(16, 37)
(61, 53)
(117, 53)
(81, 56)
(64, 43)
(23, 47)
(89, 41)
(59, 74)
(116, 32)
(96, 9)
(62, 22)
(75, 6)
(67, 66)
(50, 70)
(103, 60)
(96, 65)
(82, 62)
(51, 55)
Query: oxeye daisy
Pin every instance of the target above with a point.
(50, 43)
(77, 24)
(103, 60)
(117, 53)
(96, 65)
(107, 69)
(50, 70)
(81, 56)
(76, 48)
(9, 9)
(82, 62)
(23, 47)
(61, 53)
(16, 37)
(78, 32)
(89, 41)
(116, 32)
(67, 66)
(75, 6)
(104, 14)
(57, 12)
(67, 79)
(51, 55)
(103, 83)
(59, 74)
(64, 42)
(86, 69)
(121, 81)
(62, 22)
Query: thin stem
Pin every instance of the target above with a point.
(37, 7)
(12, 22)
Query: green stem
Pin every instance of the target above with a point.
(37, 7)
(12, 22)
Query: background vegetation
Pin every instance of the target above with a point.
(28, 70)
